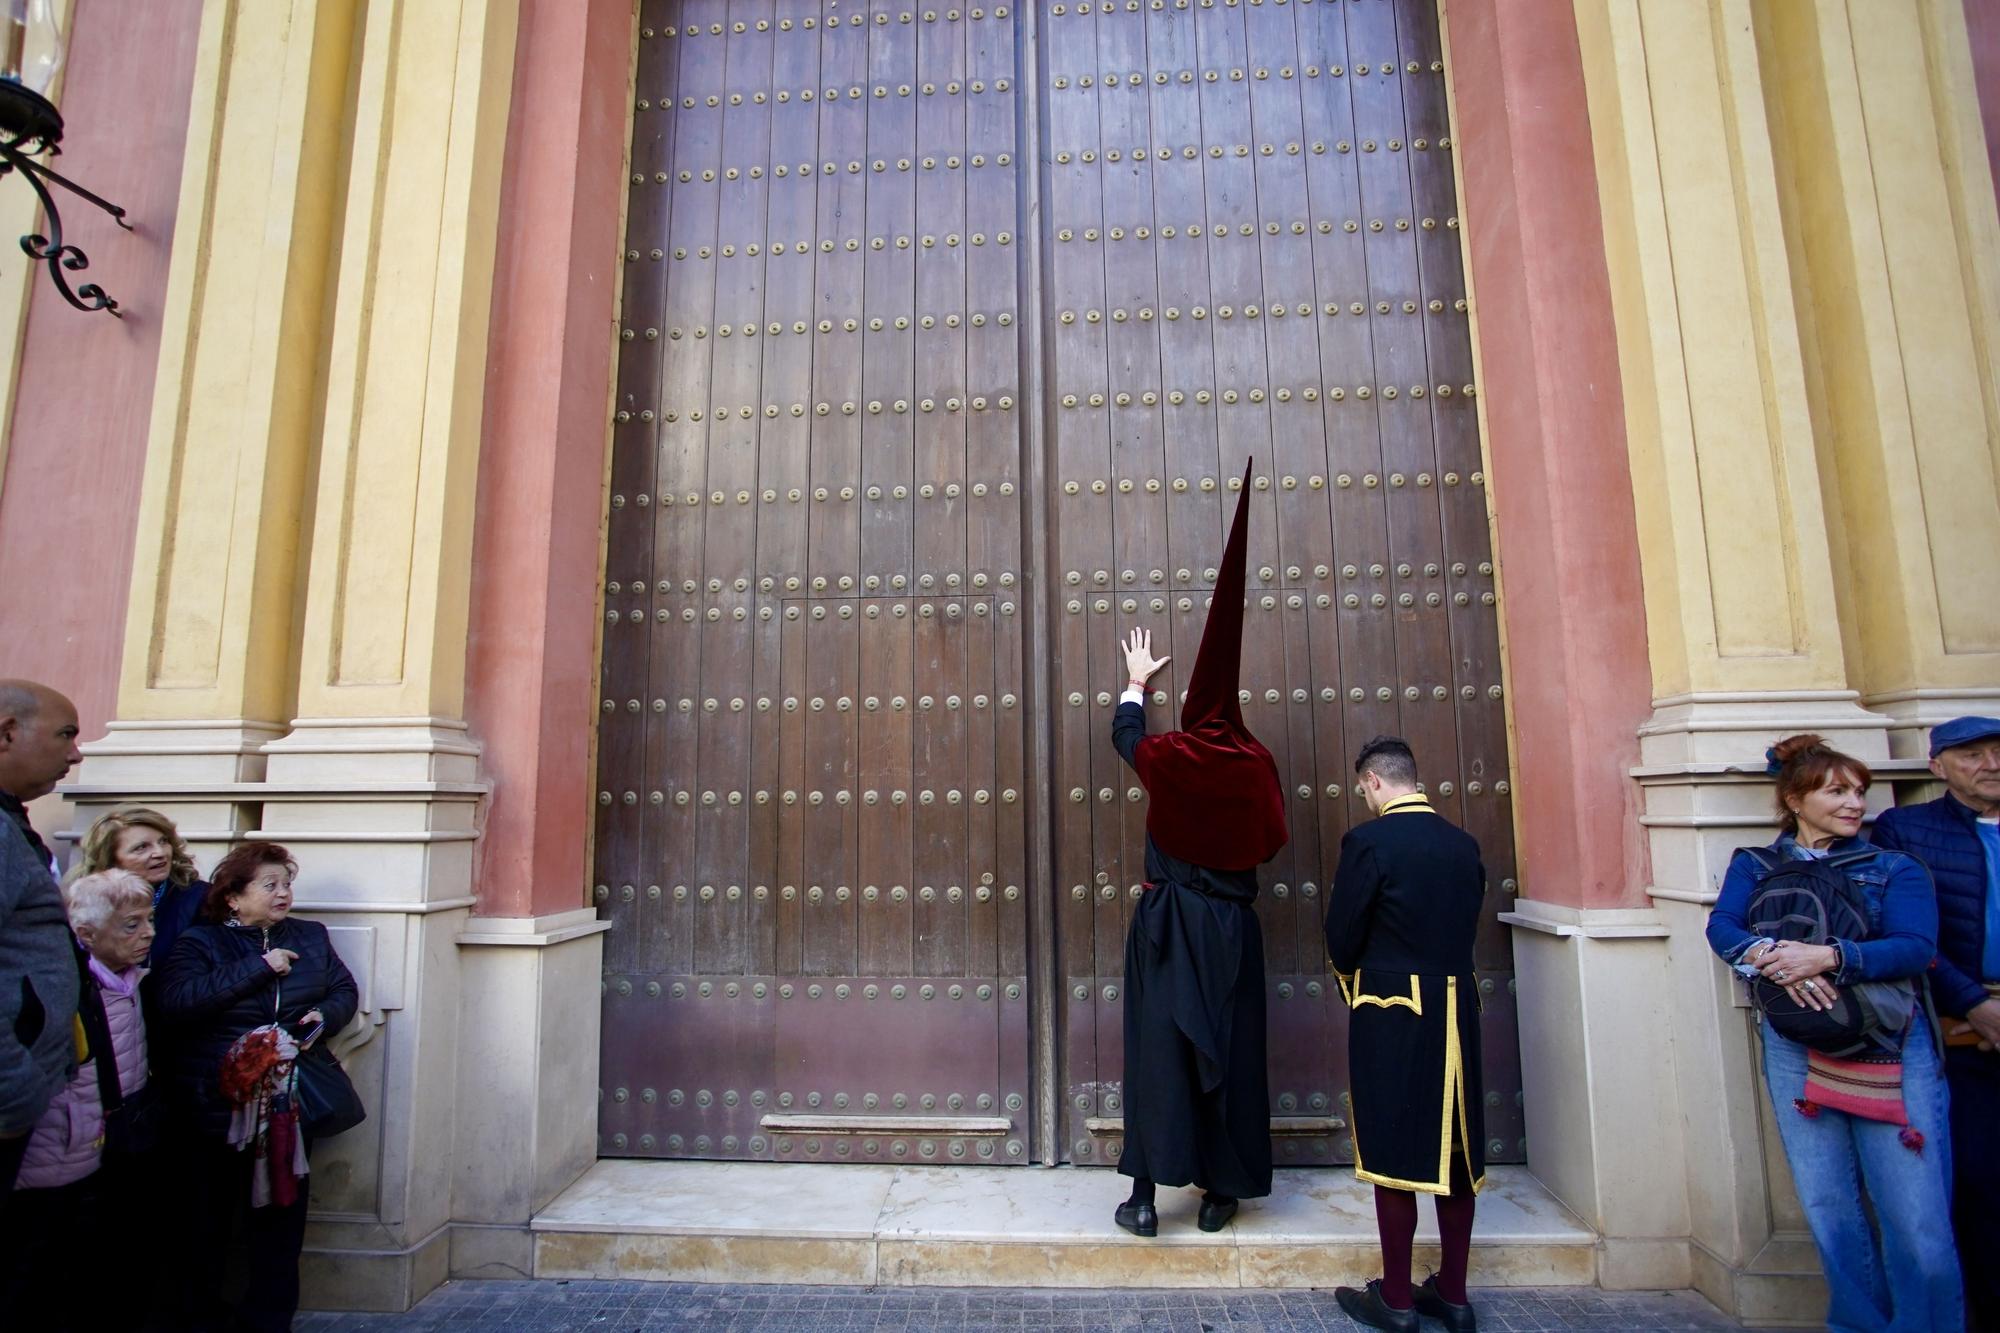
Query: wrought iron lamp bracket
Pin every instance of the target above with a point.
(31, 127)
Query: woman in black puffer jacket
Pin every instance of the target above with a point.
(244, 965)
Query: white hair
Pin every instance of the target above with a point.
(94, 899)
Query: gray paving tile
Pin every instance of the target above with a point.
(609, 1306)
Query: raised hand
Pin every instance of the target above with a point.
(1140, 664)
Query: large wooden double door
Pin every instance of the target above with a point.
(946, 331)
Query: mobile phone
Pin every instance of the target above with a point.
(306, 1039)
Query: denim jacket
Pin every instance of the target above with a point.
(1902, 913)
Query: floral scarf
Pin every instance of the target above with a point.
(260, 1079)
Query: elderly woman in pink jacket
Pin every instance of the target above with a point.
(69, 1187)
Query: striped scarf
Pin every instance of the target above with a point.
(1869, 1089)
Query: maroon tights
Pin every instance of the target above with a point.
(1396, 1220)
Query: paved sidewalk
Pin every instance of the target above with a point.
(655, 1307)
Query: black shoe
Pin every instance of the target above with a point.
(1457, 1318)
(1141, 1219)
(1365, 1304)
(1215, 1216)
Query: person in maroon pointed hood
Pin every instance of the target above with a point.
(1197, 1101)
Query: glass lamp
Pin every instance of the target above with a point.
(34, 48)
(31, 55)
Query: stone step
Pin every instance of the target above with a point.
(1012, 1227)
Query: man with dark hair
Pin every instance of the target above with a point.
(1957, 837)
(38, 974)
(1197, 1097)
(1399, 930)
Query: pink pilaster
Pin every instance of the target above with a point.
(1982, 22)
(77, 447)
(1574, 608)
(531, 683)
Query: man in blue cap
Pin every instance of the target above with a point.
(1958, 837)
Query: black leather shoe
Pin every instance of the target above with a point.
(1215, 1216)
(1457, 1318)
(1365, 1304)
(1141, 1219)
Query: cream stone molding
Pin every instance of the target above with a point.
(340, 751)
(174, 752)
(1698, 897)
(1913, 713)
(1746, 772)
(391, 907)
(1592, 923)
(356, 946)
(263, 792)
(1727, 727)
(1966, 700)
(378, 735)
(538, 932)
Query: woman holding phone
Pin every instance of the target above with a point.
(247, 989)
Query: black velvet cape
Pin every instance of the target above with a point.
(1196, 1092)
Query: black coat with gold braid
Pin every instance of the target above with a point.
(1399, 929)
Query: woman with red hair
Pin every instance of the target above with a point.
(1835, 936)
(248, 988)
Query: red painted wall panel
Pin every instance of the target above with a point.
(531, 685)
(1982, 21)
(76, 455)
(1574, 606)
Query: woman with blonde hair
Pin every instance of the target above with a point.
(146, 843)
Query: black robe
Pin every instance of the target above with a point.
(1196, 1093)
(1400, 925)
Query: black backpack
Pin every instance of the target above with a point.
(1813, 900)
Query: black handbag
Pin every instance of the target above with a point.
(133, 1126)
(328, 1103)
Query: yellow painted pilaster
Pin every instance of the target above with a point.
(386, 600)
(1897, 243)
(1737, 560)
(209, 630)
(1733, 545)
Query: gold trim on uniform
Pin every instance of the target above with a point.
(1454, 1103)
(1414, 802)
(1351, 991)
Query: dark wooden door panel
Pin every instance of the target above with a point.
(811, 838)
(1252, 249)
(814, 782)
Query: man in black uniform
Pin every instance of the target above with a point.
(1197, 1100)
(1399, 929)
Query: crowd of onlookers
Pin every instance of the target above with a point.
(170, 1039)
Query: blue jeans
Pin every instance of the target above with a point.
(1906, 1280)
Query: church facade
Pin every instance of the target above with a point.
(641, 495)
